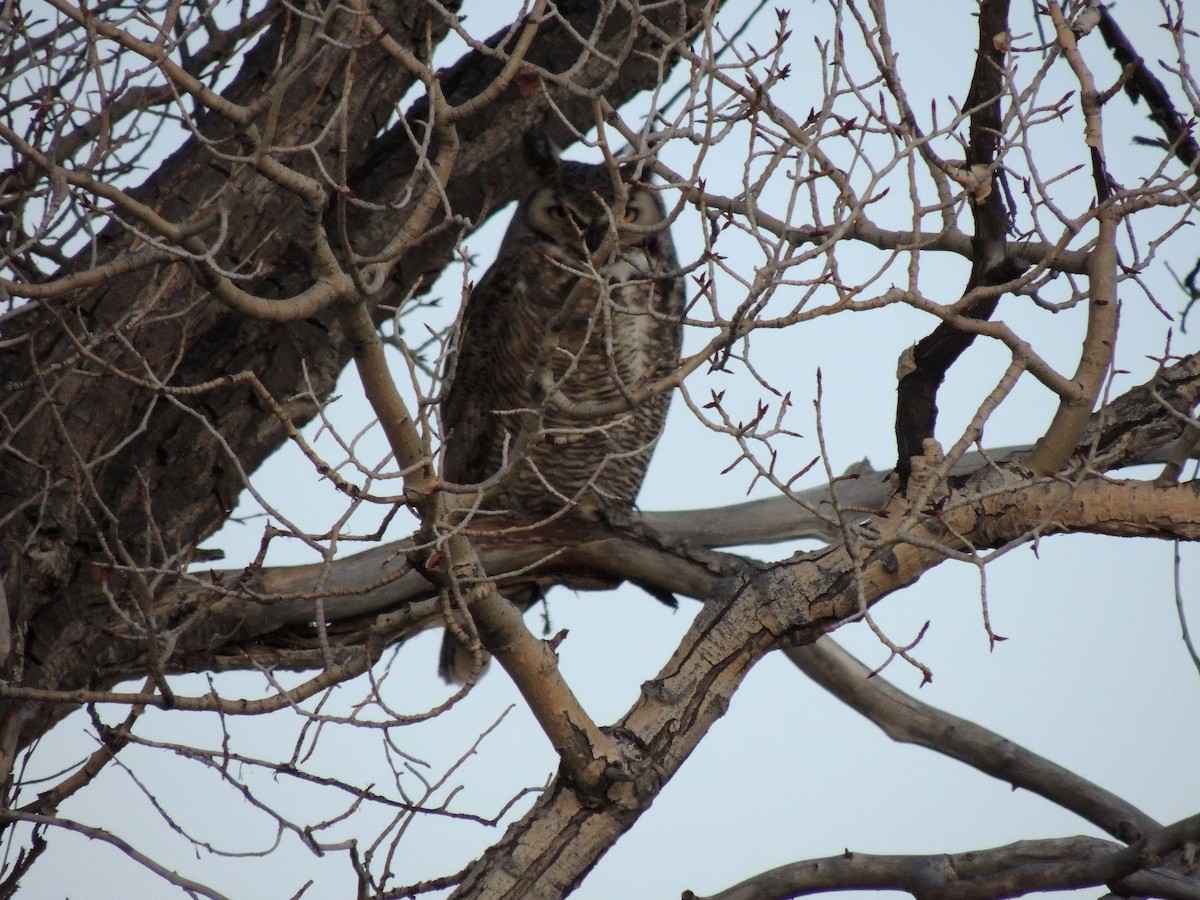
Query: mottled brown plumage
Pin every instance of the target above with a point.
(569, 238)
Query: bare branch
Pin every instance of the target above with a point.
(1014, 870)
(906, 719)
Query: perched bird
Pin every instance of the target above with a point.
(581, 309)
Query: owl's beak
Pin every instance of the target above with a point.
(595, 235)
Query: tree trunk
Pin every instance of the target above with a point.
(108, 478)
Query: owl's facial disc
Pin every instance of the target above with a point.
(584, 222)
(642, 210)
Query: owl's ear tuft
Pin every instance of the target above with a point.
(541, 153)
(630, 169)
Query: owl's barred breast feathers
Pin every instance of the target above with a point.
(582, 308)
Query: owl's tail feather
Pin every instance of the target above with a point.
(460, 664)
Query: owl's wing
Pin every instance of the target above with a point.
(469, 429)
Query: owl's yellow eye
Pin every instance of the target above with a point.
(631, 214)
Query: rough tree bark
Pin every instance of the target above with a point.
(101, 466)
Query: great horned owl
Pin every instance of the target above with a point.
(527, 361)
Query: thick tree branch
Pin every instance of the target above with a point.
(906, 719)
(789, 604)
(590, 758)
(1142, 84)
(1095, 361)
(926, 364)
(1010, 871)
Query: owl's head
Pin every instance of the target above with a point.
(575, 205)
